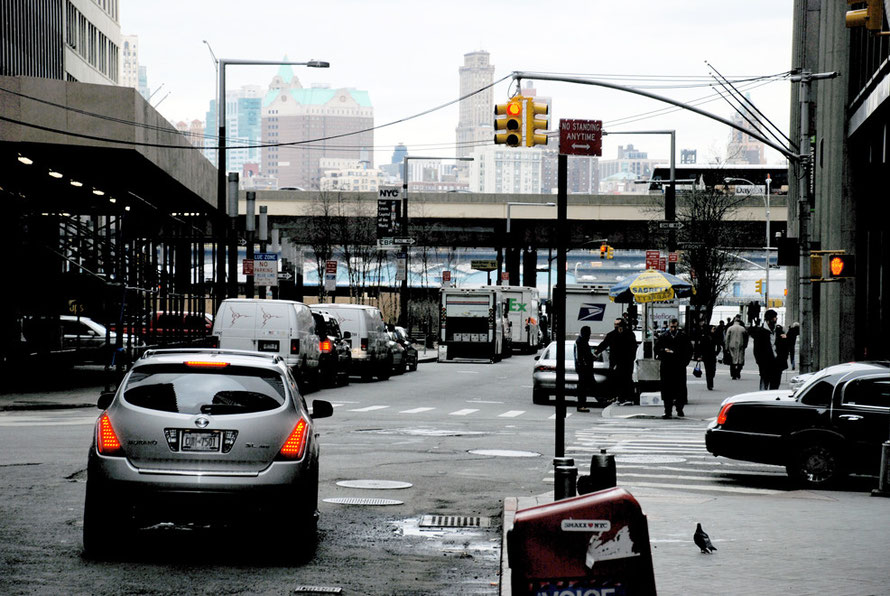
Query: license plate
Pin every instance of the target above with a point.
(267, 346)
(201, 440)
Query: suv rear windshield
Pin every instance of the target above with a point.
(187, 390)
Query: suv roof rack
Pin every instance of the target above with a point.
(273, 357)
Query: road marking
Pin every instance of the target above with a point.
(511, 414)
(463, 412)
(553, 416)
(369, 409)
(416, 410)
(35, 421)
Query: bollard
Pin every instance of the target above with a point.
(883, 489)
(565, 479)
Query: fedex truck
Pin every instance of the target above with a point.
(472, 324)
(522, 306)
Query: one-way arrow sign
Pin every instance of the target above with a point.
(403, 241)
(284, 275)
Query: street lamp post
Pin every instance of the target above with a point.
(403, 298)
(538, 204)
(767, 248)
(223, 225)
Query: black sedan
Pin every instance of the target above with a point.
(833, 425)
(335, 352)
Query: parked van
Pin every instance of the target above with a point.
(282, 327)
(367, 333)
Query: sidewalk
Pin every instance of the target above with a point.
(797, 541)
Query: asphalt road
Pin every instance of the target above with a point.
(457, 438)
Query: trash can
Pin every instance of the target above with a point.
(592, 545)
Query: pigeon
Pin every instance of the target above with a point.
(702, 541)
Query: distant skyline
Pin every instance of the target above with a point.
(406, 55)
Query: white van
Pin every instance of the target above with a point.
(282, 327)
(367, 336)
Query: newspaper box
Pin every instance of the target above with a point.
(592, 545)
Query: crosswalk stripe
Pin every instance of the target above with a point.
(463, 412)
(369, 409)
(416, 410)
(511, 414)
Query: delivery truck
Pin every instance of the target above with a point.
(472, 324)
(523, 309)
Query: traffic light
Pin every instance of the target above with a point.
(533, 124)
(871, 17)
(511, 123)
(603, 249)
(611, 253)
(758, 286)
(840, 266)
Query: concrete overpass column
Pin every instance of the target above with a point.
(529, 266)
(513, 265)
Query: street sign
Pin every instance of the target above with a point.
(330, 276)
(446, 278)
(581, 137)
(385, 244)
(400, 241)
(285, 275)
(652, 259)
(673, 257)
(265, 269)
(247, 266)
(483, 264)
(670, 225)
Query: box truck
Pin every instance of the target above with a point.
(472, 324)
(523, 311)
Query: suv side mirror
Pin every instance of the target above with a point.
(105, 399)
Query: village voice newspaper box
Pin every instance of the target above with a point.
(592, 545)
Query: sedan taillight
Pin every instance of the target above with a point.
(295, 445)
(107, 442)
(721, 417)
(545, 368)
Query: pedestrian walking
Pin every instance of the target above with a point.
(770, 350)
(674, 350)
(622, 346)
(706, 349)
(584, 367)
(736, 344)
(792, 334)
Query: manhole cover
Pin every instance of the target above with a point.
(362, 501)
(504, 453)
(454, 521)
(374, 484)
(648, 459)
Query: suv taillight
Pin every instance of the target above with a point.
(295, 445)
(364, 344)
(325, 346)
(107, 442)
(295, 346)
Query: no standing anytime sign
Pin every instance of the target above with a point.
(581, 137)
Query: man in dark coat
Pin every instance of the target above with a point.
(770, 350)
(622, 346)
(584, 367)
(674, 350)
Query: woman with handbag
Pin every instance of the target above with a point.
(706, 349)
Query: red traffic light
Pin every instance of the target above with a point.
(513, 108)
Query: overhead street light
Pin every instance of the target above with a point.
(225, 226)
(403, 301)
(767, 248)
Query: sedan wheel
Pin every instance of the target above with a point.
(816, 465)
(539, 397)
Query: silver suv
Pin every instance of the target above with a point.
(200, 435)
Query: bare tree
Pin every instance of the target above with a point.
(320, 225)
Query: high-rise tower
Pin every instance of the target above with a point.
(474, 128)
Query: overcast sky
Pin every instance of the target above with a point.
(406, 55)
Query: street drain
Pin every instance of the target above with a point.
(362, 501)
(374, 484)
(454, 521)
